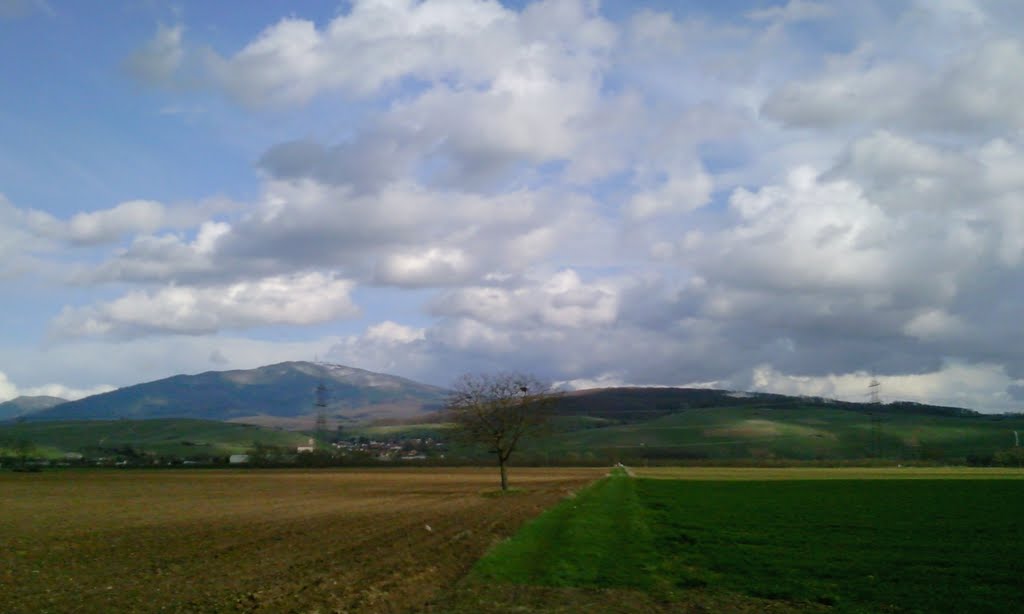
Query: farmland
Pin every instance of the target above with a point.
(673, 539)
(273, 541)
(767, 540)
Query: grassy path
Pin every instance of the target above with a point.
(596, 539)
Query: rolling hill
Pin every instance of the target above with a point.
(666, 424)
(640, 404)
(805, 432)
(275, 395)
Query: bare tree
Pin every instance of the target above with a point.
(499, 410)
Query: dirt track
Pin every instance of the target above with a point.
(263, 541)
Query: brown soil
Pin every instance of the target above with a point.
(255, 541)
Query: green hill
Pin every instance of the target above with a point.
(639, 404)
(666, 425)
(164, 437)
(795, 432)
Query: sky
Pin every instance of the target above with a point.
(788, 196)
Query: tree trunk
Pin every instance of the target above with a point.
(504, 473)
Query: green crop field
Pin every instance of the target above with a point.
(839, 544)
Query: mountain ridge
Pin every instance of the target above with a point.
(283, 390)
(284, 395)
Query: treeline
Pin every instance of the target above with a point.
(1010, 457)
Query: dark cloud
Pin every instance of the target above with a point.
(365, 165)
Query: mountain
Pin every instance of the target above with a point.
(23, 405)
(276, 395)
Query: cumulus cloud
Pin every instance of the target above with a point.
(434, 266)
(372, 46)
(166, 257)
(956, 384)
(973, 92)
(104, 226)
(502, 91)
(389, 332)
(298, 299)
(376, 44)
(562, 300)
(404, 235)
(669, 199)
(675, 194)
(30, 235)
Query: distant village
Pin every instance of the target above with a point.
(353, 450)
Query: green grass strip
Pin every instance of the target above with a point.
(596, 539)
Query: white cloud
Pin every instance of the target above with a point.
(681, 196)
(860, 94)
(933, 324)
(104, 226)
(405, 235)
(956, 384)
(65, 392)
(160, 59)
(434, 266)
(298, 300)
(378, 43)
(562, 300)
(603, 380)
(675, 195)
(372, 46)
(9, 390)
(805, 234)
(135, 219)
(392, 332)
(793, 11)
(162, 257)
(972, 92)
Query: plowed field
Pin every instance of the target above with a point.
(254, 541)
